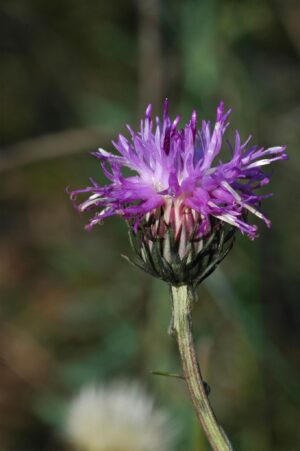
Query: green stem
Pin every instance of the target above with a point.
(183, 298)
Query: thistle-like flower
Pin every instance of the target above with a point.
(182, 207)
(117, 417)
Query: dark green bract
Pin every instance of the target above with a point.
(194, 267)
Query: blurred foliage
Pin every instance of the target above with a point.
(72, 310)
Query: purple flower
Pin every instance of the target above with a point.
(175, 171)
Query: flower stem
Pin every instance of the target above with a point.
(183, 298)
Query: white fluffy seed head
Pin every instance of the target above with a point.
(118, 417)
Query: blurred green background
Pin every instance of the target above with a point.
(72, 310)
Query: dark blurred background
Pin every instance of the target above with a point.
(72, 73)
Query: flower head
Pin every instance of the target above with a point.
(178, 183)
(176, 169)
(117, 417)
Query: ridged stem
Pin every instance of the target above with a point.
(181, 328)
